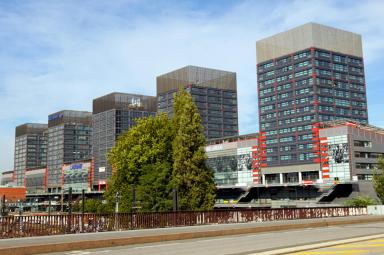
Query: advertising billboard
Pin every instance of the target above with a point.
(76, 175)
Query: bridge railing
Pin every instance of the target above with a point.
(40, 225)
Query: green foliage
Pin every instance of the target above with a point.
(378, 180)
(154, 191)
(90, 206)
(361, 201)
(191, 177)
(159, 155)
(145, 150)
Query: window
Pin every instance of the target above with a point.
(358, 143)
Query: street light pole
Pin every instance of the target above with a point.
(117, 200)
(133, 198)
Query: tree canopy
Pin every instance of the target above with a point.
(378, 180)
(140, 155)
(160, 155)
(190, 176)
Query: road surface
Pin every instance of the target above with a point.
(244, 244)
(374, 246)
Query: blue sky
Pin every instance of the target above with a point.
(61, 54)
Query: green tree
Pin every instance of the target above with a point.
(154, 191)
(361, 201)
(378, 180)
(191, 177)
(146, 148)
(91, 206)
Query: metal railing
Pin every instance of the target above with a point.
(23, 226)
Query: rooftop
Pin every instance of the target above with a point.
(124, 101)
(195, 75)
(347, 122)
(307, 36)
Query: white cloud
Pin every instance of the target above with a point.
(61, 55)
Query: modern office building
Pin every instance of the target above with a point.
(235, 160)
(346, 151)
(309, 74)
(69, 140)
(213, 91)
(113, 114)
(350, 150)
(30, 149)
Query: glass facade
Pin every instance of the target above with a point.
(233, 159)
(69, 140)
(35, 180)
(30, 149)
(214, 93)
(303, 88)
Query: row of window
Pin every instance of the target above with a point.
(318, 54)
(320, 72)
(290, 157)
(287, 121)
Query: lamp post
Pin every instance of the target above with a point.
(49, 204)
(117, 200)
(175, 200)
(133, 198)
(37, 205)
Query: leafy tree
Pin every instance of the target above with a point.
(361, 201)
(154, 191)
(378, 180)
(191, 177)
(91, 206)
(145, 148)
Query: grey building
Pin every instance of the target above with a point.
(113, 114)
(69, 140)
(213, 91)
(6, 178)
(306, 75)
(350, 150)
(234, 160)
(30, 149)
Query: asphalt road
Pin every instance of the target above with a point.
(374, 246)
(244, 244)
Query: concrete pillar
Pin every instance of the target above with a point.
(300, 177)
(263, 179)
(281, 178)
(320, 176)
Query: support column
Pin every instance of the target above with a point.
(281, 178)
(300, 177)
(263, 179)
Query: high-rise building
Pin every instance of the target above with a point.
(308, 74)
(113, 114)
(69, 140)
(213, 91)
(30, 149)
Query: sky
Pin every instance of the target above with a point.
(59, 55)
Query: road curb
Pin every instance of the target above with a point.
(97, 243)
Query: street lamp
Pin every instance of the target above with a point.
(37, 205)
(117, 200)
